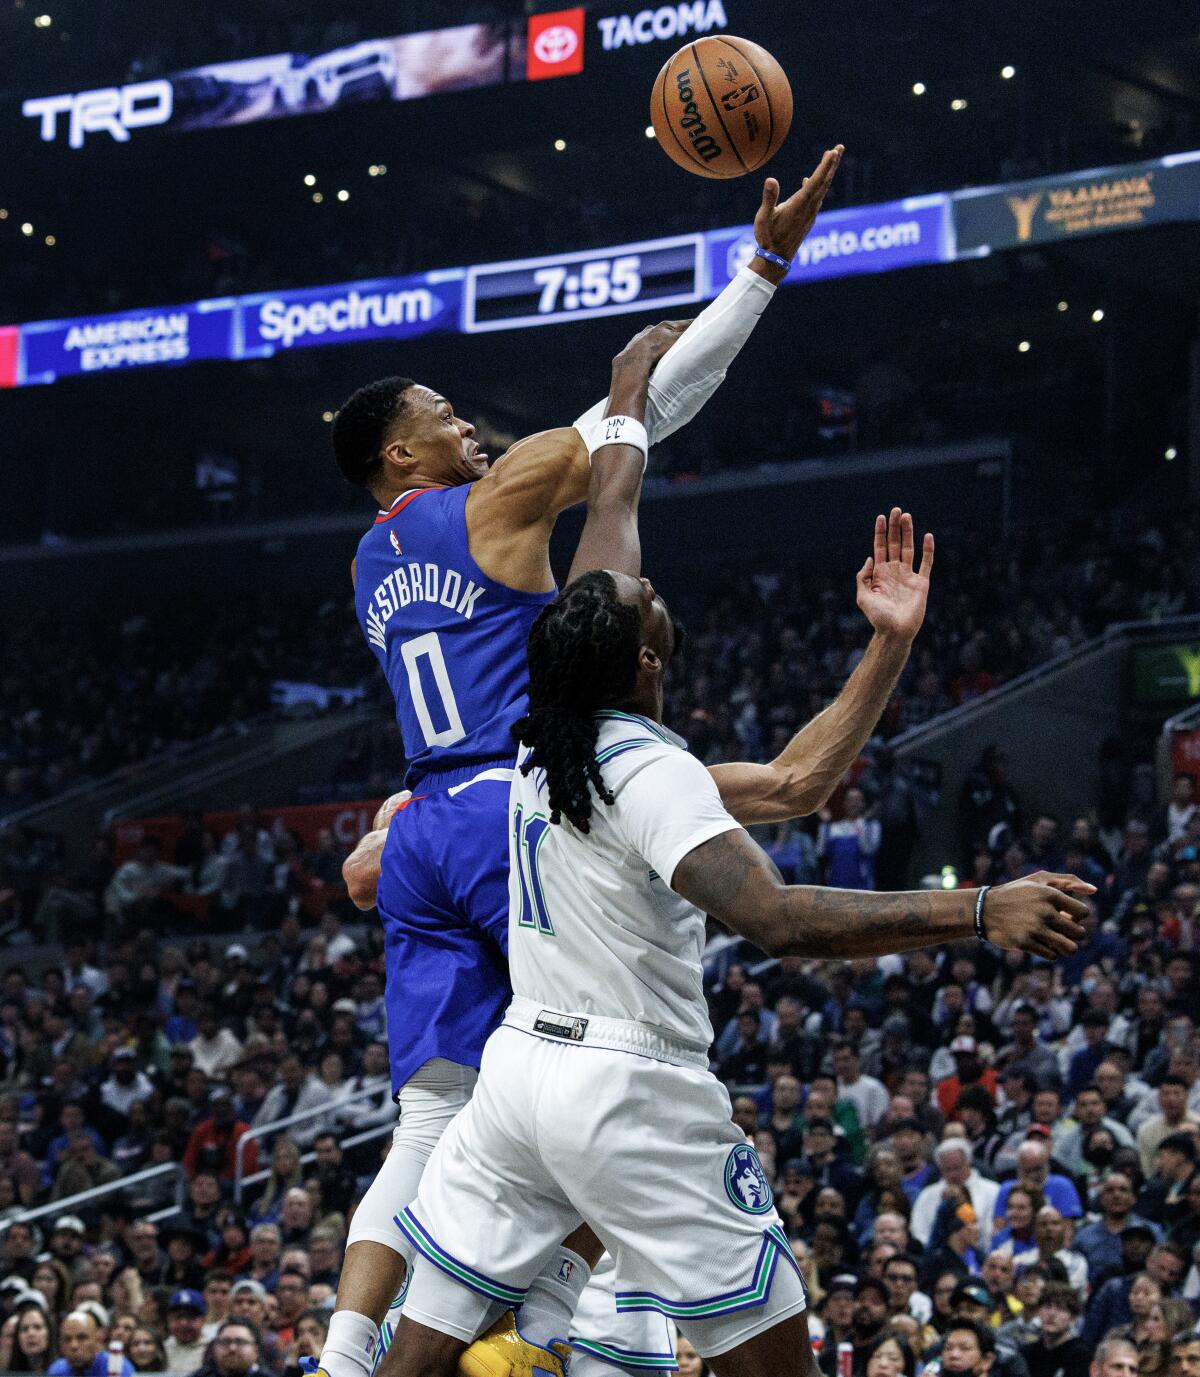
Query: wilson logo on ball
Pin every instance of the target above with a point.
(690, 119)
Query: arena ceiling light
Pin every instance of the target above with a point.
(1098, 315)
(1024, 347)
(42, 21)
(317, 198)
(1170, 453)
(918, 88)
(27, 229)
(958, 104)
(560, 145)
(309, 179)
(343, 195)
(649, 131)
(1008, 72)
(50, 241)
(1062, 306)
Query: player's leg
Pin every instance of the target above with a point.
(718, 1263)
(471, 854)
(420, 1351)
(608, 1343)
(486, 1222)
(442, 1003)
(784, 1350)
(377, 1253)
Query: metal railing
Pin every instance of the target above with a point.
(241, 1180)
(368, 1135)
(73, 1204)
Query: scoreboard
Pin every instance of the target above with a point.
(579, 286)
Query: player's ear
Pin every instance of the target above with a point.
(648, 660)
(397, 452)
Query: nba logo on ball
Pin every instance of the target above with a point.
(555, 44)
(745, 1182)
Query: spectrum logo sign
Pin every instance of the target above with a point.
(555, 44)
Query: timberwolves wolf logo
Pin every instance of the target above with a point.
(745, 1183)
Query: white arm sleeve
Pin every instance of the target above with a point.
(668, 808)
(692, 370)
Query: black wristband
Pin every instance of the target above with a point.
(980, 930)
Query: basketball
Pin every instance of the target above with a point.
(721, 106)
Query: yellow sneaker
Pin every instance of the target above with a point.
(502, 1352)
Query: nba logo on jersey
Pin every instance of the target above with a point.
(395, 542)
(566, 1269)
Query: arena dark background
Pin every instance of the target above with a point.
(149, 624)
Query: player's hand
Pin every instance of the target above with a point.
(1037, 914)
(388, 809)
(781, 226)
(649, 345)
(892, 594)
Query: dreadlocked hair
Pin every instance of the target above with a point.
(583, 654)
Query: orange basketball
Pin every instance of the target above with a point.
(721, 106)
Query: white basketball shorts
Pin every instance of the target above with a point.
(623, 1128)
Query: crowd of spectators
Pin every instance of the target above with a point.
(976, 1154)
(970, 1137)
(80, 703)
(765, 651)
(152, 1054)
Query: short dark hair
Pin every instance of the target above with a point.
(983, 1334)
(361, 424)
(1064, 1294)
(1183, 1143)
(234, 1323)
(1173, 1079)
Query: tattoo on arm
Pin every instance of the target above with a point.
(735, 881)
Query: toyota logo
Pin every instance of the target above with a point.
(556, 44)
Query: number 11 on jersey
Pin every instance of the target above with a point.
(529, 834)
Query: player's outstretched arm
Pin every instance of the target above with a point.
(734, 880)
(610, 537)
(892, 592)
(511, 510)
(361, 868)
(693, 371)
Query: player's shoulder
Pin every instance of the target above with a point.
(628, 743)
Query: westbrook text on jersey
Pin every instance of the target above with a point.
(418, 583)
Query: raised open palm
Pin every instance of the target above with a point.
(891, 592)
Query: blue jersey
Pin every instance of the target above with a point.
(452, 644)
(451, 641)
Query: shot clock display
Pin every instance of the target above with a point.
(576, 286)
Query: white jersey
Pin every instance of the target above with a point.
(594, 928)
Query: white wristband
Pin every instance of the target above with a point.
(619, 430)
